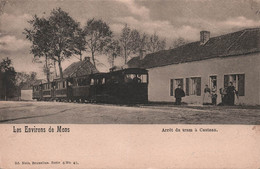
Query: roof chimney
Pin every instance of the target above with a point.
(142, 54)
(204, 37)
(87, 58)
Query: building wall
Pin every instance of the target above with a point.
(159, 78)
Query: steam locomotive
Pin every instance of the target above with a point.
(119, 87)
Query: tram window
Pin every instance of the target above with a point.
(103, 81)
(111, 80)
(144, 78)
(85, 82)
(61, 85)
(79, 82)
(92, 82)
(129, 78)
(69, 83)
(140, 78)
(99, 81)
(64, 84)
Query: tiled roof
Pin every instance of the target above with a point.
(237, 43)
(79, 68)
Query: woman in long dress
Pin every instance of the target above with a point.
(231, 91)
(207, 96)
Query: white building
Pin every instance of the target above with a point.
(233, 57)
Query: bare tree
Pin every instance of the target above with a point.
(125, 41)
(135, 40)
(156, 44)
(143, 44)
(113, 50)
(98, 35)
(178, 42)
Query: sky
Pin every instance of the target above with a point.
(170, 19)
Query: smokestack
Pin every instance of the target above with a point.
(142, 54)
(204, 37)
(87, 59)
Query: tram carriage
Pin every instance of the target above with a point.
(60, 90)
(37, 92)
(47, 92)
(122, 86)
(78, 88)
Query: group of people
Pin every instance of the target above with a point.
(136, 79)
(210, 95)
(228, 95)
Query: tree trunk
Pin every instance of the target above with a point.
(55, 70)
(5, 93)
(93, 58)
(125, 56)
(80, 56)
(47, 69)
(60, 68)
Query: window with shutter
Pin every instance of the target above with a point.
(178, 82)
(187, 86)
(226, 80)
(195, 86)
(198, 86)
(241, 85)
(171, 87)
(238, 81)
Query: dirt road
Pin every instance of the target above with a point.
(74, 113)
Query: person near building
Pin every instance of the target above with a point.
(207, 96)
(179, 93)
(231, 91)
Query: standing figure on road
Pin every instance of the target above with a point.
(231, 91)
(207, 96)
(179, 93)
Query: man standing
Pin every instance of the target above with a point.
(231, 91)
(179, 93)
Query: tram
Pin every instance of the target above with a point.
(124, 86)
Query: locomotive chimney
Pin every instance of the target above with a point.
(204, 37)
(87, 58)
(142, 54)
